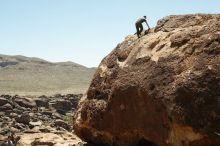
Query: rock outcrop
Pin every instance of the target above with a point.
(160, 90)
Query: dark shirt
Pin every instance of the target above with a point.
(141, 20)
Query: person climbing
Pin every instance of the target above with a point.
(139, 26)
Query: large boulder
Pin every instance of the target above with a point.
(160, 90)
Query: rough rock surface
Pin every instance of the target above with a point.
(36, 121)
(160, 90)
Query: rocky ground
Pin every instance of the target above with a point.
(39, 120)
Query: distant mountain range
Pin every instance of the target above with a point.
(34, 76)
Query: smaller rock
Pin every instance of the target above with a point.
(61, 123)
(74, 100)
(48, 113)
(6, 107)
(3, 101)
(38, 114)
(41, 102)
(62, 104)
(42, 143)
(4, 131)
(31, 114)
(44, 129)
(61, 111)
(2, 113)
(2, 140)
(34, 119)
(32, 131)
(19, 126)
(24, 118)
(23, 102)
(18, 111)
(13, 115)
(13, 129)
(57, 116)
(38, 123)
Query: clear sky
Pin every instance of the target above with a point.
(82, 31)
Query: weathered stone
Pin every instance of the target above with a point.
(6, 107)
(61, 123)
(61, 111)
(24, 118)
(19, 126)
(164, 92)
(17, 111)
(13, 115)
(24, 102)
(31, 114)
(2, 141)
(74, 99)
(38, 123)
(2, 113)
(4, 131)
(42, 143)
(3, 101)
(62, 104)
(45, 129)
(42, 102)
(48, 113)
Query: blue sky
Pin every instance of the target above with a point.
(82, 31)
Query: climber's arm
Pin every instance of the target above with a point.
(147, 25)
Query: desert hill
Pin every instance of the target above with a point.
(33, 76)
